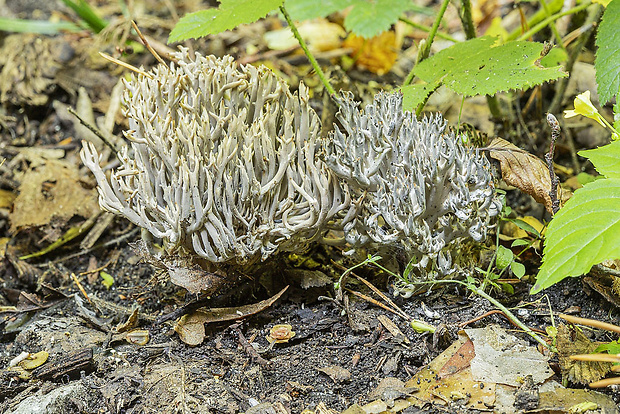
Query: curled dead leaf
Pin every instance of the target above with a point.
(525, 171)
(191, 327)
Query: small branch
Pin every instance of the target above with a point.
(555, 134)
(94, 130)
(511, 317)
(590, 322)
(309, 54)
(249, 349)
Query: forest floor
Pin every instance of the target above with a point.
(106, 325)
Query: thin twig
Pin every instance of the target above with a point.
(249, 349)
(555, 134)
(591, 322)
(147, 44)
(496, 312)
(596, 358)
(94, 130)
(549, 20)
(125, 65)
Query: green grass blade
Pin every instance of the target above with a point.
(36, 26)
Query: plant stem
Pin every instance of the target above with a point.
(467, 20)
(427, 29)
(552, 19)
(426, 49)
(309, 54)
(554, 29)
(593, 15)
(374, 260)
(511, 316)
(504, 309)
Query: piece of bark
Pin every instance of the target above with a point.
(70, 365)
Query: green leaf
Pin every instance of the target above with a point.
(525, 226)
(507, 288)
(368, 18)
(504, 257)
(108, 280)
(311, 9)
(517, 269)
(612, 347)
(607, 63)
(414, 95)
(519, 242)
(479, 67)
(229, 15)
(88, 14)
(606, 159)
(584, 178)
(586, 231)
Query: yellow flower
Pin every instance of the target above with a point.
(583, 106)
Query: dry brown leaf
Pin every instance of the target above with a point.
(523, 170)
(571, 341)
(376, 55)
(191, 327)
(51, 191)
(336, 373)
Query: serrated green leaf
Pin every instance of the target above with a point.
(368, 18)
(311, 9)
(478, 67)
(413, 95)
(229, 15)
(607, 63)
(606, 159)
(504, 257)
(586, 231)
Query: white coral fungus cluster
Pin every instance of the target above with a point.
(422, 188)
(225, 162)
(221, 161)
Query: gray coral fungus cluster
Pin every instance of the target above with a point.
(422, 189)
(225, 162)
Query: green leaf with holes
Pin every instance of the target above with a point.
(413, 95)
(482, 67)
(586, 231)
(607, 61)
(229, 15)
